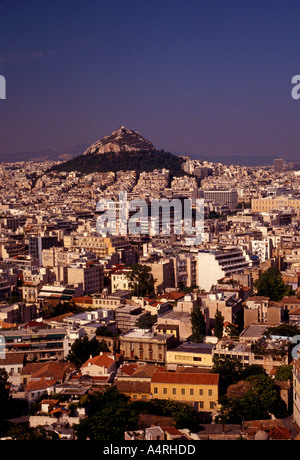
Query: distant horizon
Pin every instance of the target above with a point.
(64, 154)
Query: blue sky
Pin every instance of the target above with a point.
(204, 78)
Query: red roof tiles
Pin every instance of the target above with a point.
(185, 378)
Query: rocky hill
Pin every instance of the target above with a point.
(125, 150)
(122, 140)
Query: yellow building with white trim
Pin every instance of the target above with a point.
(191, 354)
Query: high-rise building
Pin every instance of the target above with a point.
(40, 242)
(278, 165)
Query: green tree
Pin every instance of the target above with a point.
(20, 432)
(4, 393)
(232, 330)
(49, 310)
(141, 281)
(104, 332)
(253, 369)
(229, 370)
(198, 324)
(184, 415)
(269, 393)
(236, 410)
(219, 324)
(284, 373)
(82, 349)
(259, 403)
(283, 329)
(270, 284)
(109, 415)
(102, 347)
(146, 321)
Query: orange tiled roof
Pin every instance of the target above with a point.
(40, 384)
(83, 299)
(185, 378)
(173, 295)
(100, 360)
(52, 369)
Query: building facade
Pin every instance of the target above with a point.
(201, 390)
(146, 346)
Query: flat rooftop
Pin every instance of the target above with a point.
(255, 330)
(145, 334)
(191, 347)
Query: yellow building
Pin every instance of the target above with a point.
(191, 354)
(134, 389)
(270, 204)
(101, 246)
(167, 329)
(198, 389)
(83, 301)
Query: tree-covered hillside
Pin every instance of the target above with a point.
(125, 161)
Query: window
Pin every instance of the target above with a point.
(211, 405)
(210, 392)
(155, 390)
(201, 392)
(201, 404)
(174, 391)
(191, 391)
(183, 391)
(165, 391)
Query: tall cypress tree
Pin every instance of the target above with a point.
(198, 325)
(219, 324)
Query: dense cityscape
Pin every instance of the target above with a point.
(149, 336)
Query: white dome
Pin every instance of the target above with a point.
(261, 435)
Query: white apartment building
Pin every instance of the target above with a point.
(262, 249)
(214, 265)
(119, 280)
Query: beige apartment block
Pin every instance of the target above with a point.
(89, 274)
(182, 319)
(105, 300)
(163, 274)
(185, 269)
(101, 246)
(259, 309)
(30, 290)
(146, 346)
(57, 256)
